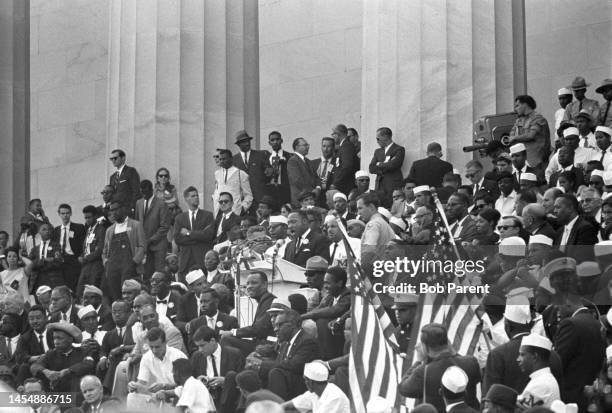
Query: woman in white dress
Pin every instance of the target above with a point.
(15, 278)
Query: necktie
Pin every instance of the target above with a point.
(42, 341)
(323, 174)
(246, 160)
(298, 243)
(64, 238)
(192, 219)
(162, 301)
(146, 206)
(586, 142)
(9, 346)
(333, 254)
(120, 332)
(225, 178)
(214, 365)
(44, 249)
(580, 106)
(603, 155)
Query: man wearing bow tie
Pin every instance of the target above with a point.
(167, 300)
(125, 181)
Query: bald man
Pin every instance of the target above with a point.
(534, 221)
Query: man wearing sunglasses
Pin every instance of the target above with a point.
(125, 181)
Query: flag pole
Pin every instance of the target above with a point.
(440, 209)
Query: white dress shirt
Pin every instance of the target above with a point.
(153, 370)
(505, 204)
(210, 372)
(332, 400)
(340, 256)
(161, 308)
(65, 235)
(121, 226)
(542, 387)
(567, 229)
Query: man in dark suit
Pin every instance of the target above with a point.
(518, 153)
(253, 162)
(95, 400)
(193, 232)
(9, 338)
(65, 310)
(246, 338)
(125, 181)
(103, 210)
(167, 300)
(226, 218)
(279, 178)
(387, 165)
(46, 260)
(302, 177)
(32, 343)
(474, 172)
(92, 269)
(462, 225)
(565, 157)
(305, 243)
(71, 238)
(534, 221)
(582, 350)
(326, 169)
(210, 316)
(284, 375)
(577, 235)
(92, 295)
(431, 170)
(155, 218)
(347, 161)
(189, 303)
(219, 365)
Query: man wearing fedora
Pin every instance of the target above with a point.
(605, 114)
(579, 87)
(254, 163)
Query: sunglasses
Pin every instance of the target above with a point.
(505, 227)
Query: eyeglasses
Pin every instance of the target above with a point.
(505, 227)
(163, 176)
(480, 206)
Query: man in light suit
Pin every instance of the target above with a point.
(125, 181)
(347, 162)
(387, 165)
(194, 232)
(154, 216)
(230, 179)
(124, 250)
(254, 163)
(279, 178)
(302, 178)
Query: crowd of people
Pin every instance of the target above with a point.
(135, 308)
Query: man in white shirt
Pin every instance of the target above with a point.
(505, 203)
(533, 359)
(565, 97)
(583, 123)
(603, 150)
(581, 154)
(337, 249)
(322, 396)
(278, 232)
(193, 395)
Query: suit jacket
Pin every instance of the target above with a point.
(105, 318)
(468, 230)
(330, 174)
(328, 310)
(262, 325)
(228, 223)
(317, 245)
(547, 230)
(389, 171)
(536, 171)
(398, 209)
(582, 350)
(258, 162)
(107, 404)
(172, 310)
(489, 186)
(238, 183)
(429, 171)
(75, 239)
(279, 180)
(225, 322)
(231, 360)
(96, 243)
(126, 185)
(29, 345)
(74, 318)
(5, 356)
(348, 164)
(302, 177)
(136, 236)
(155, 223)
(76, 361)
(187, 307)
(462, 408)
(112, 340)
(192, 247)
(47, 272)
(304, 350)
(580, 241)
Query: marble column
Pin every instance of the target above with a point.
(183, 78)
(14, 112)
(430, 69)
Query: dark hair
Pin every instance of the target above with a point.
(228, 194)
(352, 130)
(434, 147)
(274, 132)
(121, 301)
(90, 209)
(450, 176)
(211, 291)
(302, 213)
(204, 333)
(468, 189)
(119, 151)
(146, 184)
(528, 100)
(12, 248)
(339, 274)
(315, 214)
(475, 163)
(570, 176)
(64, 206)
(384, 131)
(298, 303)
(248, 380)
(34, 200)
(261, 274)
(572, 201)
(528, 196)
(156, 333)
(37, 307)
(369, 198)
(434, 335)
(327, 138)
(34, 380)
(408, 181)
(5, 233)
(184, 367)
(296, 142)
(490, 215)
(517, 222)
(484, 195)
(225, 152)
(462, 198)
(504, 175)
(188, 190)
(607, 202)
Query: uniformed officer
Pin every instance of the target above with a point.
(579, 87)
(405, 306)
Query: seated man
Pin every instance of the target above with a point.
(210, 316)
(168, 300)
(335, 304)
(217, 366)
(251, 390)
(9, 338)
(32, 344)
(92, 295)
(89, 321)
(284, 374)
(189, 303)
(193, 395)
(116, 343)
(95, 400)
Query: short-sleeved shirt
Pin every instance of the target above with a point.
(195, 397)
(589, 105)
(539, 149)
(153, 370)
(377, 233)
(542, 387)
(332, 400)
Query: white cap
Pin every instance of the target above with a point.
(378, 405)
(179, 285)
(604, 129)
(512, 246)
(339, 195)
(541, 239)
(597, 172)
(570, 131)
(43, 289)
(528, 176)
(536, 340)
(517, 309)
(193, 276)
(421, 188)
(603, 248)
(518, 147)
(587, 269)
(564, 91)
(361, 174)
(520, 291)
(86, 310)
(399, 222)
(278, 304)
(558, 406)
(607, 177)
(455, 379)
(384, 212)
(609, 352)
(278, 219)
(316, 371)
(545, 285)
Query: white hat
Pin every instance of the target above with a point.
(339, 195)
(455, 379)
(329, 218)
(517, 309)
(570, 131)
(278, 219)
(520, 291)
(421, 188)
(597, 172)
(512, 246)
(564, 91)
(278, 305)
(545, 285)
(604, 129)
(518, 147)
(378, 405)
(399, 222)
(609, 351)
(43, 289)
(536, 340)
(541, 239)
(193, 276)
(607, 177)
(384, 212)
(603, 248)
(559, 407)
(86, 310)
(316, 371)
(587, 269)
(528, 176)
(456, 171)
(361, 174)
